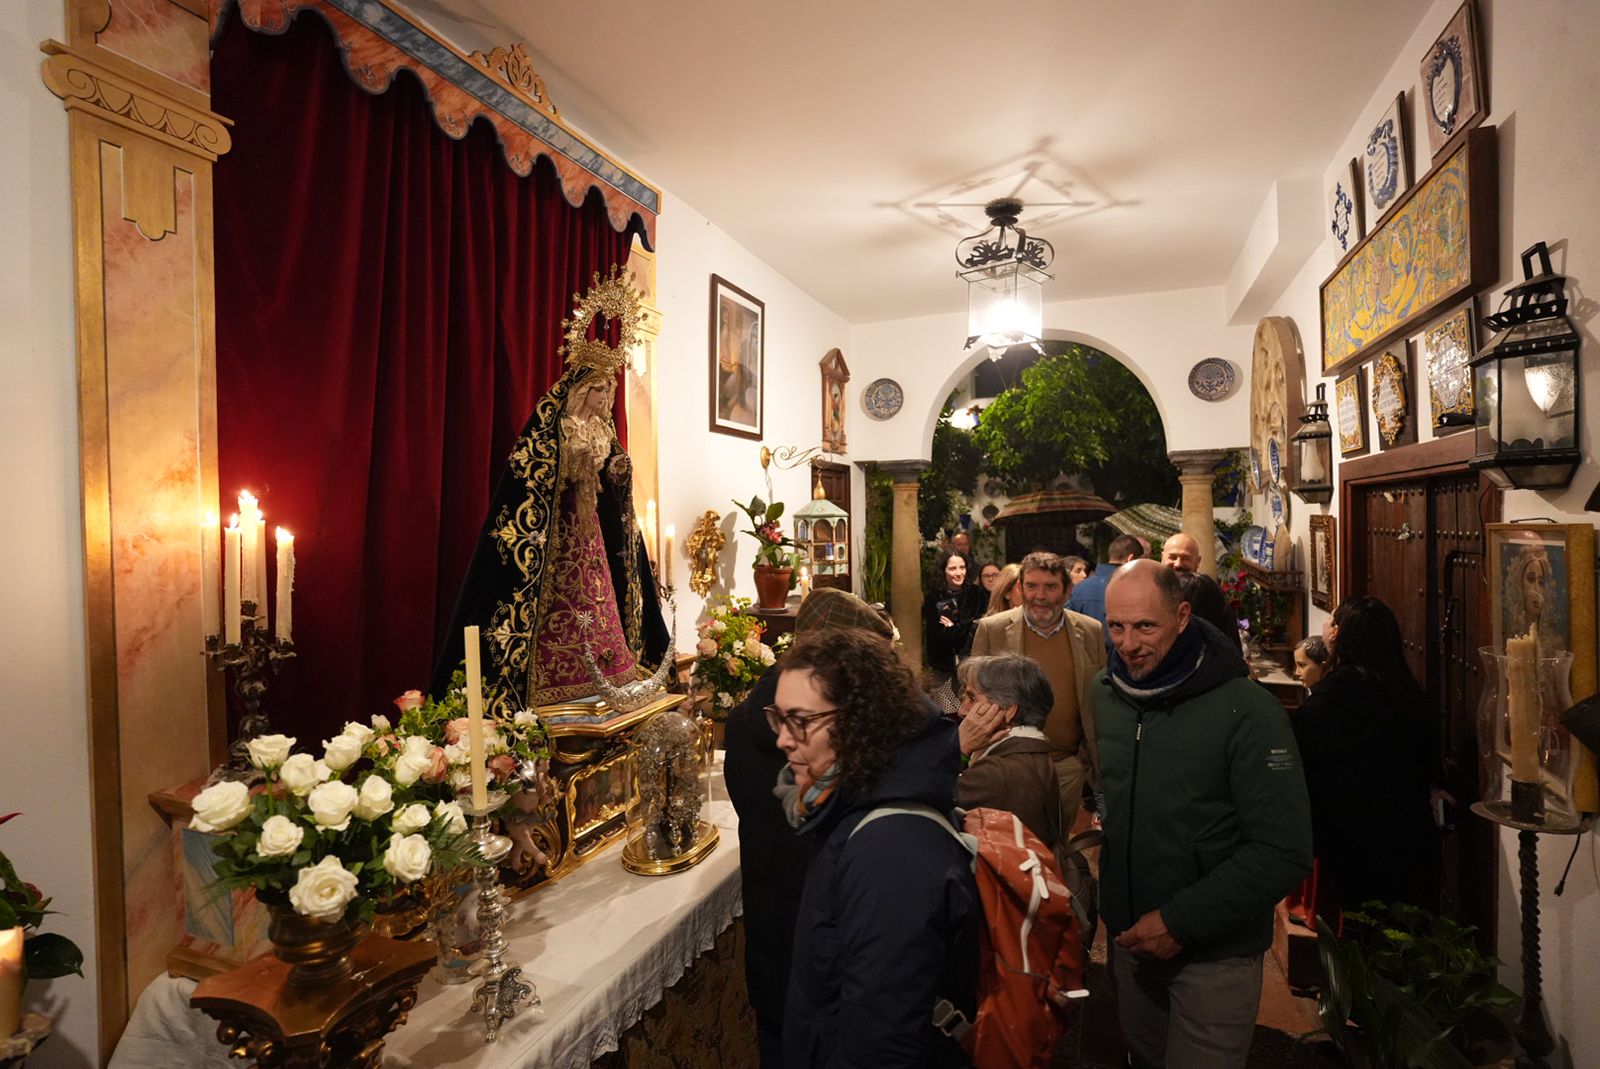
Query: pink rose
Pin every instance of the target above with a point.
(384, 744)
(411, 699)
(455, 730)
(502, 766)
(706, 647)
(438, 766)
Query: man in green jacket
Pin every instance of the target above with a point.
(1207, 825)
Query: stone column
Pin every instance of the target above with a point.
(905, 569)
(1196, 471)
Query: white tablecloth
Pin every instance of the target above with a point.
(601, 945)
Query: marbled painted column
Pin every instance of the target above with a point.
(1197, 473)
(905, 575)
(134, 77)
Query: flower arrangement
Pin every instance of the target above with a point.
(511, 747)
(731, 654)
(764, 528)
(45, 955)
(1257, 609)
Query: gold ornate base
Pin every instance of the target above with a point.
(706, 837)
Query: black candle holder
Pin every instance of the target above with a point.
(254, 658)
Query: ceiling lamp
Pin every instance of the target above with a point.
(1525, 384)
(1005, 274)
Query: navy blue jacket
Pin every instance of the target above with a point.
(1089, 596)
(888, 923)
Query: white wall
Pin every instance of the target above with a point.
(44, 768)
(699, 469)
(1544, 92)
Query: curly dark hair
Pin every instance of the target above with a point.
(878, 701)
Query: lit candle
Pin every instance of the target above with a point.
(285, 608)
(230, 581)
(475, 757)
(260, 566)
(666, 556)
(1522, 672)
(247, 527)
(650, 528)
(210, 580)
(10, 981)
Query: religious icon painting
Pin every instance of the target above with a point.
(1321, 565)
(738, 343)
(1453, 96)
(835, 376)
(1350, 403)
(1387, 160)
(1391, 396)
(1447, 350)
(1346, 220)
(1543, 574)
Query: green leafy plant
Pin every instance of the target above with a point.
(878, 539)
(773, 546)
(45, 955)
(1414, 987)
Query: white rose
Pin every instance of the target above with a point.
(375, 798)
(220, 806)
(269, 751)
(360, 732)
(415, 758)
(455, 821)
(752, 647)
(331, 803)
(767, 656)
(724, 699)
(301, 772)
(323, 890)
(525, 719)
(494, 742)
(718, 627)
(706, 647)
(380, 724)
(459, 779)
(457, 753)
(280, 837)
(413, 817)
(407, 858)
(341, 752)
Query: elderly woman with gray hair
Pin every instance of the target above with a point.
(1004, 701)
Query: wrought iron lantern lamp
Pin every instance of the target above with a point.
(1005, 274)
(1313, 453)
(1525, 384)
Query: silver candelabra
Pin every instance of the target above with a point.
(503, 991)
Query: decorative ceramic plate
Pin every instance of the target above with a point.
(882, 398)
(1255, 469)
(1275, 460)
(1277, 508)
(1257, 545)
(1277, 441)
(1213, 379)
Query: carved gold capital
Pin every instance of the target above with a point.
(516, 70)
(83, 84)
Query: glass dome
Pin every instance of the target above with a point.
(668, 819)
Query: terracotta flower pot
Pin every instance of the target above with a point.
(772, 586)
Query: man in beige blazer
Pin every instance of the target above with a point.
(1068, 647)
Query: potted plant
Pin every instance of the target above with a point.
(774, 563)
(45, 955)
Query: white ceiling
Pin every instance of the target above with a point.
(830, 138)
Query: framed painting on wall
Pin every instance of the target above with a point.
(1391, 395)
(1543, 573)
(1346, 219)
(738, 344)
(1447, 350)
(1437, 244)
(1386, 160)
(835, 375)
(1453, 96)
(1350, 405)
(1324, 586)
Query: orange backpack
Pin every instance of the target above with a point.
(1030, 954)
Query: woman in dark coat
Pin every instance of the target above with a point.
(1004, 702)
(950, 614)
(1366, 743)
(888, 921)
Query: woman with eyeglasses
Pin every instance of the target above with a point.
(888, 921)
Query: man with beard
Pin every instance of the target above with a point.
(1207, 825)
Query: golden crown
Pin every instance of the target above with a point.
(616, 299)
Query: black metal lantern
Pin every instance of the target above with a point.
(1525, 384)
(1005, 280)
(1313, 453)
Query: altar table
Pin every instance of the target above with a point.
(601, 944)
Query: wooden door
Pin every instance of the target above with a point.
(1415, 540)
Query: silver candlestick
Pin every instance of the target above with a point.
(503, 991)
(254, 658)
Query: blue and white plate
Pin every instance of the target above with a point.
(1275, 460)
(1213, 379)
(1256, 482)
(1277, 507)
(882, 398)
(1257, 544)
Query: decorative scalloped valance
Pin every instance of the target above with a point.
(378, 40)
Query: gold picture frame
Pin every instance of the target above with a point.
(1322, 563)
(1350, 411)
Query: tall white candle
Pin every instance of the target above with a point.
(651, 548)
(285, 606)
(230, 581)
(247, 526)
(10, 981)
(260, 566)
(210, 578)
(666, 556)
(475, 755)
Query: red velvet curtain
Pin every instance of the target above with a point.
(388, 311)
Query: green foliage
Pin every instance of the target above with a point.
(45, 955)
(1079, 411)
(944, 490)
(1415, 987)
(878, 538)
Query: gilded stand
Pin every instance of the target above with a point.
(503, 991)
(254, 657)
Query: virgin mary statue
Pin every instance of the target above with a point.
(560, 566)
